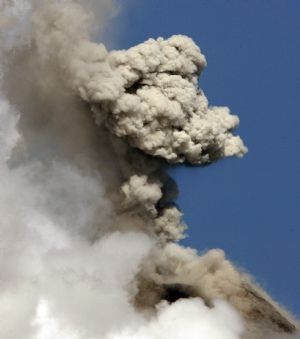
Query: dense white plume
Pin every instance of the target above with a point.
(88, 220)
(188, 318)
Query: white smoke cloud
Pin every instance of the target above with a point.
(188, 319)
(87, 212)
(49, 214)
(54, 251)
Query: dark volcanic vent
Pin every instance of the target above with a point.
(260, 313)
(151, 293)
(173, 292)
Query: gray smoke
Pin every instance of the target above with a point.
(89, 223)
(147, 96)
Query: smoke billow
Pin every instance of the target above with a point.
(88, 220)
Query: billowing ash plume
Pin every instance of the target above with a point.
(88, 220)
(161, 111)
(148, 96)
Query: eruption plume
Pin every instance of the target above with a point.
(89, 225)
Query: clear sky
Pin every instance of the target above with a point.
(250, 206)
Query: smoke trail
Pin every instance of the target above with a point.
(88, 215)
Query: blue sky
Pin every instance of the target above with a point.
(250, 206)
